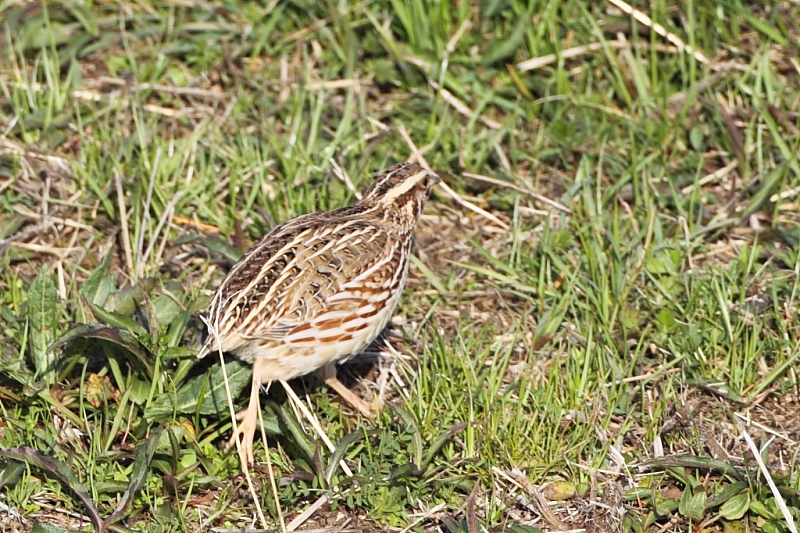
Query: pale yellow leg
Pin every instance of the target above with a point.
(328, 374)
(248, 420)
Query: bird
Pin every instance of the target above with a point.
(318, 289)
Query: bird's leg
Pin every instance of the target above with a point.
(247, 423)
(328, 375)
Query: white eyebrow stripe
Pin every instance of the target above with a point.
(404, 187)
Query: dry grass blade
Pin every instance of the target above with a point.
(712, 177)
(522, 481)
(24, 234)
(163, 221)
(425, 515)
(501, 183)
(212, 325)
(535, 63)
(300, 519)
(463, 108)
(52, 220)
(344, 178)
(61, 253)
(180, 91)
(271, 473)
(123, 221)
(140, 257)
(787, 515)
(9, 146)
(419, 158)
(315, 424)
(659, 29)
(744, 419)
(449, 97)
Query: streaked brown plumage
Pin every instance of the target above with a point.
(319, 288)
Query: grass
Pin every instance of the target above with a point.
(583, 348)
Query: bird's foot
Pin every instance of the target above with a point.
(245, 432)
(366, 408)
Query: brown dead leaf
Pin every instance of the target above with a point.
(98, 390)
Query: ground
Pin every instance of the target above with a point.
(599, 331)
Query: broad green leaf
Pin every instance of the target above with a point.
(219, 246)
(122, 322)
(736, 507)
(206, 395)
(165, 309)
(439, 443)
(141, 466)
(727, 493)
(405, 470)
(637, 493)
(340, 451)
(40, 527)
(701, 463)
(492, 7)
(759, 508)
(177, 327)
(696, 138)
(299, 435)
(60, 470)
(412, 427)
(663, 506)
(11, 473)
(115, 335)
(632, 523)
(666, 320)
(140, 389)
(693, 506)
(43, 313)
(14, 368)
(455, 526)
(662, 261)
(100, 283)
(124, 301)
(523, 529)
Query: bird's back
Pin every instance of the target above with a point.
(318, 278)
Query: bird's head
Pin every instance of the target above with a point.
(399, 193)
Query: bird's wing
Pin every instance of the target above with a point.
(301, 272)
